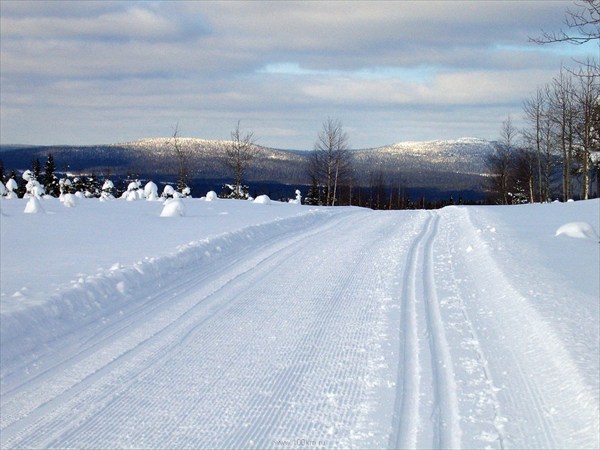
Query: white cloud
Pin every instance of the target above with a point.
(280, 66)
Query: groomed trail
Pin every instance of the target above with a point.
(352, 329)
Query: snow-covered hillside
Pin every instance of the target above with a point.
(443, 165)
(458, 164)
(271, 325)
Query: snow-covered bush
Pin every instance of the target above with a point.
(173, 207)
(33, 187)
(168, 192)
(11, 188)
(33, 206)
(151, 191)
(107, 191)
(133, 192)
(65, 186)
(69, 200)
(298, 199)
(231, 191)
(263, 200)
(211, 196)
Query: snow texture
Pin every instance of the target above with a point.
(173, 207)
(298, 327)
(211, 196)
(579, 230)
(34, 206)
(262, 200)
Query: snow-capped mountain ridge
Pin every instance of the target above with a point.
(437, 164)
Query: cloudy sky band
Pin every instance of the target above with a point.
(103, 72)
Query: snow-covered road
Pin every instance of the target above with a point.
(345, 329)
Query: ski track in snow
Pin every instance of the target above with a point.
(359, 329)
(273, 385)
(426, 400)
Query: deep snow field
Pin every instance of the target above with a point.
(272, 325)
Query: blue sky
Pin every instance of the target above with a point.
(115, 71)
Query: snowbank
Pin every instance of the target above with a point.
(29, 322)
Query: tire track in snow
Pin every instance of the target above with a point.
(420, 307)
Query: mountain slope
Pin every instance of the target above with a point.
(456, 164)
(443, 165)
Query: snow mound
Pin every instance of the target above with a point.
(263, 200)
(151, 191)
(69, 200)
(579, 230)
(33, 206)
(173, 207)
(211, 196)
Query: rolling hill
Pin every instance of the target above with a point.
(439, 165)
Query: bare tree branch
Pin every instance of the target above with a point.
(583, 25)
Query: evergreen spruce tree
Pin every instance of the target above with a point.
(50, 179)
(313, 197)
(91, 186)
(37, 168)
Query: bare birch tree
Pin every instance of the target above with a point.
(500, 161)
(586, 96)
(583, 25)
(239, 154)
(330, 161)
(183, 160)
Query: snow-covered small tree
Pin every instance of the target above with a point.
(69, 200)
(211, 196)
(91, 186)
(65, 185)
(168, 191)
(151, 191)
(107, 190)
(173, 207)
(11, 189)
(133, 191)
(50, 179)
(32, 186)
(298, 199)
(34, 206)
(235, 191)
(313, 197)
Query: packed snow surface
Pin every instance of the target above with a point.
(240, 326)
(579, 230)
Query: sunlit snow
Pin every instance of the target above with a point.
(236, 325)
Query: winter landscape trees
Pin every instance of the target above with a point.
(330, 161)
(562, 125)
(239, 154)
